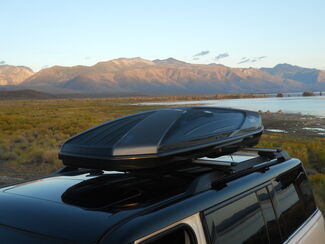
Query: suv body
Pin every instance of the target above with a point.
(269, 203)
(176, 184)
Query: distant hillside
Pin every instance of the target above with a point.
(172, 77)
(24, 94)
(169, 61)
(14, 75)
(304, 75)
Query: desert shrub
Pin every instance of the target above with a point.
(307, 94)
(318, 183)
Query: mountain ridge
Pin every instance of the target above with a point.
(287, 71)
(172, 76)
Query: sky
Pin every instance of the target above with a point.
(43, 33)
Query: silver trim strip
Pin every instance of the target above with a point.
(303, 225)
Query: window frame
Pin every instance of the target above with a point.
(275, 198)
(234, 199)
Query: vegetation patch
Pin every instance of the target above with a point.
(32, 133)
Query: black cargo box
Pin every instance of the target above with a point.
(158, 137)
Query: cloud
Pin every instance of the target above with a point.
(87, 57)
(221, 55)
(2, 62)
(247, 60)
(251, 60)
(45, 66)
(203, 53)
(195, 58)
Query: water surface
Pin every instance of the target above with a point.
(314, 105)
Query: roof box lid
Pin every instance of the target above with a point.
(148, 139)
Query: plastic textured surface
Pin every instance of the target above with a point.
(158, 137)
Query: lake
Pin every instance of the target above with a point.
(314, 105)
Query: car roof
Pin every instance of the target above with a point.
(80, 204)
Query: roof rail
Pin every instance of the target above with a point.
(269, 152)
(218, 172)
(266, 157)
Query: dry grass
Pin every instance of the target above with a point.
(32, 132)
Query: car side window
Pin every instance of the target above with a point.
(238, 222)
(181, 234)
(305, 193)
(290, 206)
(269, 215)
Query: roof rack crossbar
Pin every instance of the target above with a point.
(258, 167)
(256, 149)
(270, 152)
(214, 163)
(267, 157)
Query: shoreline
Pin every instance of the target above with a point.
(294, 124)
(19, 95)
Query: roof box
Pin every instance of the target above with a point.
(158, 137)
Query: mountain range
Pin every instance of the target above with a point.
(161, 77)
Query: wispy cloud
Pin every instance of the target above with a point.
(2, 62)
(196, 58)
(87, 57)
(251, 60)
(221, 55)
(203, 53)
(246, 60)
